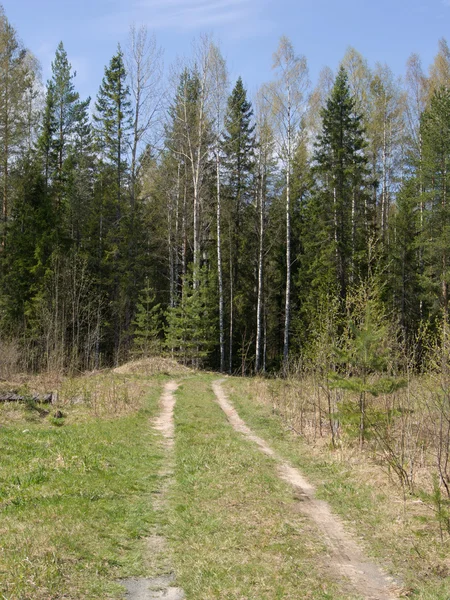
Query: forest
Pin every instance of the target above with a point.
(176, 215)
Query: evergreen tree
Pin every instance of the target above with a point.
(62, 110)
(147, 323)
(113, 123)
(191, 325)
(238, 146)
(342, 217)
(435, 132)
(116, 227)
(28, 258)
(404, 282)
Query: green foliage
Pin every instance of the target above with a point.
(340, 216)
(435, 166)
(147, 324)
(113, 117)
(363, 359)
(191, 325)
(239, 219)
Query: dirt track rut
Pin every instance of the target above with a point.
(161, 586)
(345, 556)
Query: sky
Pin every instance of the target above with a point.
(248, 31)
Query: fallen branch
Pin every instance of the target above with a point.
(51, 398)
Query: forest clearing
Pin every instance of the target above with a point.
(173, 483)
(224, 302)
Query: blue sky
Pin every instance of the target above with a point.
(247, 30)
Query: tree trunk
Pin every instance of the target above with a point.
(259, 308)
(219, 266)
(287, 310)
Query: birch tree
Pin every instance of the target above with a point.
(192, 114)
(144, 64)
(219, 85)
(264, 160)
(386, 133)
(17, 72)
(287, 96)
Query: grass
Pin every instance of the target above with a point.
(234, 527)
(398, 534)
(75, 499)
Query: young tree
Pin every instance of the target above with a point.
(190, 333)
(147, 323)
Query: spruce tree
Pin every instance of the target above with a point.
(116, 271)
(191, 325)
(435, 167)
(147, 323)
(238, 148)
(113, 122)
(341, 211)
(62, 109)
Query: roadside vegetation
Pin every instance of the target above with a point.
(387, 492)
(235, 528)
(75, 500)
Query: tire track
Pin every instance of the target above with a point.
(345, 556)
(152, 588)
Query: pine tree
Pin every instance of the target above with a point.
(112, 127)
(435, 169)
(238, 146)
(341, 212)
(190, 333)
(147, 323)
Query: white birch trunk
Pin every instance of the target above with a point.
(259, 307)
(287, 310)
(219, 266)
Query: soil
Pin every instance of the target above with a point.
(160, 586)
(346, 558)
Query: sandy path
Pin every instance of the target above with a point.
(345, 556)
(164, 423)
(151, 588)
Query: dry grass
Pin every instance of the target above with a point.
(234, 526)
(399, 527)
(102, 394)
(153, 366)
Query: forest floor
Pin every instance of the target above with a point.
(153, 486)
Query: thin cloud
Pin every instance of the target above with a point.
(180, 15)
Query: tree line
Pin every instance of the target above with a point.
(181, 216)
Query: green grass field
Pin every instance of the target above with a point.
(77, 501)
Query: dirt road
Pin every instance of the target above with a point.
(345, 556)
